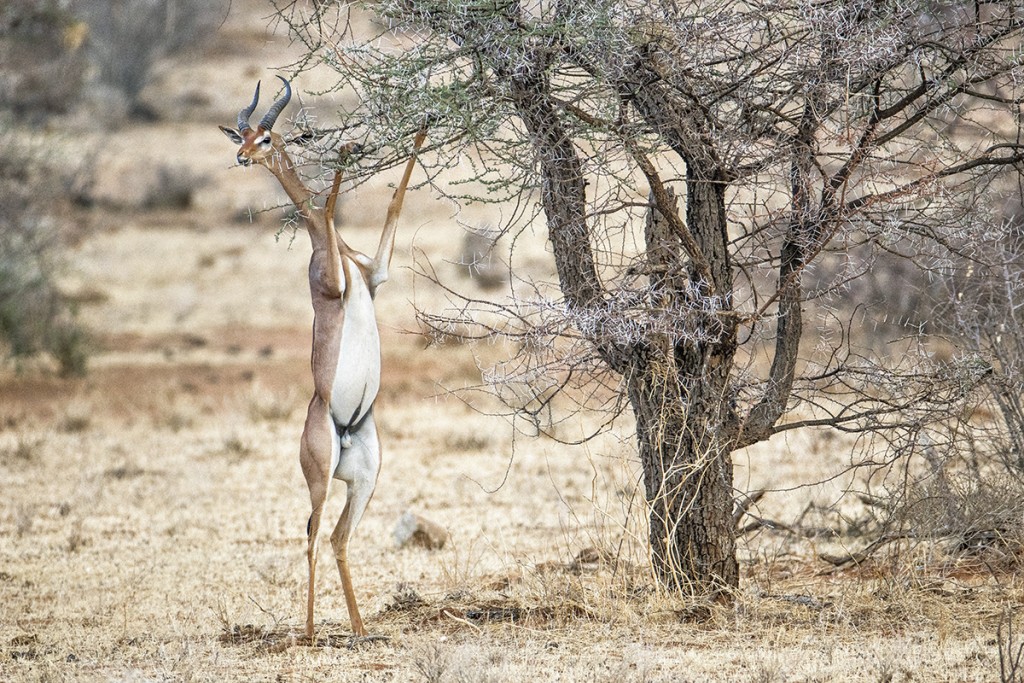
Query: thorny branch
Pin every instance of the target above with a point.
(842, 165)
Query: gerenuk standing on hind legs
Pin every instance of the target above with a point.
(339, 439)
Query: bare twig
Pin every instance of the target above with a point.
(744, 503)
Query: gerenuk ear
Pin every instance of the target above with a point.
(233, 134)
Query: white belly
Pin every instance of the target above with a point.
(358, 371)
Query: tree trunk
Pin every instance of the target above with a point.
(687, 479)
(678, 388)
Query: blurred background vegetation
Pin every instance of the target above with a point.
(65, 64)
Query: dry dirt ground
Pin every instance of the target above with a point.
(152, 514)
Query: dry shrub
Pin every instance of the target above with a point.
(479, 259)
(24, 518)
(42, 64)
(237, 447)
(26, 450)
(432, 663)
(1011, 651)
(971, 514)
(127, 39)
(74, 422)
(174, 187)
(462, 663)
(34, 314)
(265, 405)
(960, 504)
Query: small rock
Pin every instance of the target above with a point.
(416, 530)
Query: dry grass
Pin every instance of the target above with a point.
(152, 514)
(153, 517)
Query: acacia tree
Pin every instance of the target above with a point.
(804, 139)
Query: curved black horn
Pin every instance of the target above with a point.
(243, 116)
(275, 110)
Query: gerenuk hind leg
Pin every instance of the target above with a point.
(358, 467)
(316, 456)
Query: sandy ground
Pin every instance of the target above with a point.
(152, 514)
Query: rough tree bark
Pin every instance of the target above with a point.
(678, 390)
(677, 387)
(832, 129)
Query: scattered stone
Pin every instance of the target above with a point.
(591, 558)
(413, 529)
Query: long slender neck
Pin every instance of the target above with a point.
(280, 164)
